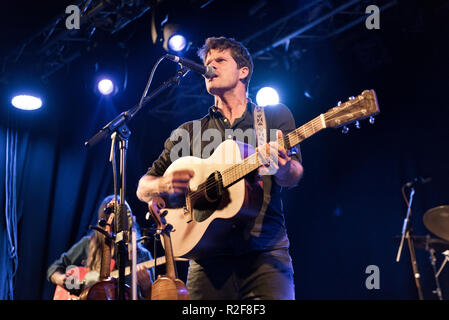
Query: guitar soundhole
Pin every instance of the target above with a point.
(208, 197)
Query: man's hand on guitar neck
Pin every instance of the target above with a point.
(176, 182)
(287, 172)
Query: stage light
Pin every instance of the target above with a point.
(173, 39)
(267, 96)
(26, 102)
(105, 86)
(177, 42)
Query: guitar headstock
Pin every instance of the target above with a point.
(154, 208)
(108, 212)
(356, 108)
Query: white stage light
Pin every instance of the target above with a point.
(105, 86)
(267, 96)
(177, 42)
(26, 102)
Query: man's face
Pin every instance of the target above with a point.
(226, 69)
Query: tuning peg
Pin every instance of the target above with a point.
(339, 103)
(351, 98)
(357, 124)
(371, 120)
(345, 130)
(102, 222)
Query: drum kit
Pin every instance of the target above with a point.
(436, 221)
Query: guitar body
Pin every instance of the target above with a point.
(104, 290)
(200, 229)
(166, 288)
(78, 274)
(84, 277)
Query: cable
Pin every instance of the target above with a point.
(147, 87)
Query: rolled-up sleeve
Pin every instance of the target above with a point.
(75, 256)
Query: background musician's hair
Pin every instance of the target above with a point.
(97, 239)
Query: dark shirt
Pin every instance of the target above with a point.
(268, 230)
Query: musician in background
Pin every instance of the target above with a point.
(88, 251)
(257, 263)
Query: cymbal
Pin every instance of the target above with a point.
(424, 242)
(437, 221)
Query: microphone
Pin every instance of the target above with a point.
(208, 72)
(418, 180)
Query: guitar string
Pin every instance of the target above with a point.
(233, 172)
(307, 129)
(241, 169)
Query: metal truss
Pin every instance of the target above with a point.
(55, 46)
(318, 20)
(315, 21)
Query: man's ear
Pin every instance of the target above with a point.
(244, 72)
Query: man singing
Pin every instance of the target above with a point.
(256, 264)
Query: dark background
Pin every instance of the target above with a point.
(347, 209)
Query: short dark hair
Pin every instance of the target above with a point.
(238, 52)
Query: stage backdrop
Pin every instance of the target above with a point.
(342, 218)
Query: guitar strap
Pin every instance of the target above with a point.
(260, 125)
(261, 130)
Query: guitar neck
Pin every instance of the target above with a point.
(251, 163)
(169, 259)
(147, 264)
(105, 260)
(302, 133)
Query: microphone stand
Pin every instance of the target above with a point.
(117, 129)
(433, 260)
(406, 234)
(133, 257)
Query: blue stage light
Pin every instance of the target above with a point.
(26, 102)
(177, 43)
(267, 96)
(105, 86)
(175, 38)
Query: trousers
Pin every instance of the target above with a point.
(261, 275)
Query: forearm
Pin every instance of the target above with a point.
(290, 177)
(175, 182)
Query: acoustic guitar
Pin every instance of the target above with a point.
(219, 197)
(83, 277)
